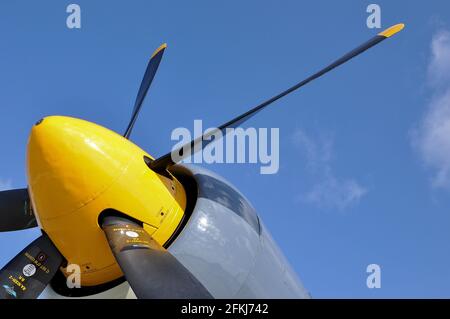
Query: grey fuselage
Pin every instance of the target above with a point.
(224, 244)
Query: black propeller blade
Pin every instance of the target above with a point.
(150, 72)
(27, 274)
(177, 155)
(152, 272)
(15, 210)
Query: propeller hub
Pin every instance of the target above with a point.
(70, 163)
(78, 170)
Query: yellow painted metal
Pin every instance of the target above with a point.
(161, 47)
(392, 30)
(76, 170)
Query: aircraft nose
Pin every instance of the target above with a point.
(69, 163)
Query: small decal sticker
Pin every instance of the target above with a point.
(10, 290)
(41, 257)
(132, 234)
(29, 270)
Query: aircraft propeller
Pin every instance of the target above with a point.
(151, 270)
(16, 212)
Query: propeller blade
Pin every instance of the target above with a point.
(27, 274)
(177, 155)
(15, 210)
(151, 271)
(149, 74)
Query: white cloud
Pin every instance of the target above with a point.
(328, 190)
(439, 66)
(317, 153)
(331, 192)
(5, 184)
(432, 138)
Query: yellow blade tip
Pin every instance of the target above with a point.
(389, 32)
(161, 47)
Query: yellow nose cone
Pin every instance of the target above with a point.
(76, 171)
(69, 164)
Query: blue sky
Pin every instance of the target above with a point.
(364, 155)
